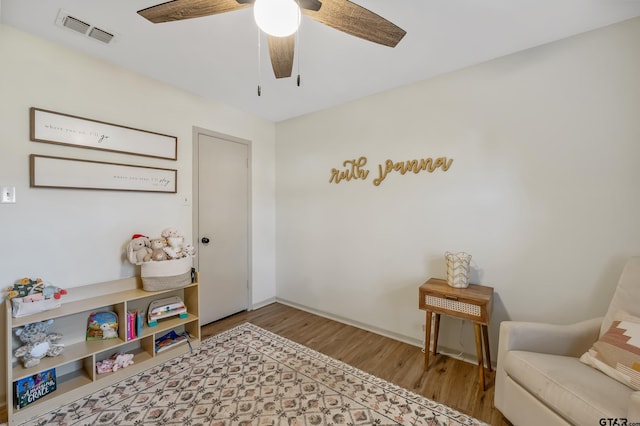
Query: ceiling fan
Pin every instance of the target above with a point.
(342, 15)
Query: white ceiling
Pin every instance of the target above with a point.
(217, 56)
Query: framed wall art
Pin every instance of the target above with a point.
(64, 129)
(71, 173)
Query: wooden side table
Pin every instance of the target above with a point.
(472, 303)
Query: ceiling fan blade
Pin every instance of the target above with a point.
(353, 19)
(310, 4)
(281, 53)
(186, 9)
(304, 4)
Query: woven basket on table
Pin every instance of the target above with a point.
(458, 266)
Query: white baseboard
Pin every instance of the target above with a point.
(343, 320)
(470, 358)
(263, 303)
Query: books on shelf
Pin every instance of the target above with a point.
(135, 321)
(32, 388)
(131, 325)
(170, 340)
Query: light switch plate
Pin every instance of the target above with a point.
(8, 194)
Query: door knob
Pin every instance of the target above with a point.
(205, 240)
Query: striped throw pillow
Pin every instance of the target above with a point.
(617, 352)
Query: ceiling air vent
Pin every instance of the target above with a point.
(81, 26)
(75, 24)
(100, 35)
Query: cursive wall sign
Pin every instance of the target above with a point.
(355, 169)
(65, 129)
(73, 173)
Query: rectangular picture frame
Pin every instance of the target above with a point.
(72, 173)
(65, 129)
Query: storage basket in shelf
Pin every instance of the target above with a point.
(166, 274)
(19, 308)
(458, 265)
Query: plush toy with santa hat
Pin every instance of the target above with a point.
(138, 248)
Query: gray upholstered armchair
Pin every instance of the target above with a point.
(541, 381)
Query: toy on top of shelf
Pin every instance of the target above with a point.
(169, 246)
(49, 291)
(170, 233)
(30, 296)
(188, 250)
(174, 243)
(38, 343)
(157, 250)
(138, 248)
(35, 289)
(22, 287)
(167, 261)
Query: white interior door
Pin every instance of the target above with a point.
(222, 225)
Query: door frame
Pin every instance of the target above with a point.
(196, 202)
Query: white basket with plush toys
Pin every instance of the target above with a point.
(165, 262)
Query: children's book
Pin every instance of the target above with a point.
(102, 325)
(32, 388)
(131, 325)
(139, 322)
(169, 340)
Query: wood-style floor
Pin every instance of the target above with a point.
(449, 381)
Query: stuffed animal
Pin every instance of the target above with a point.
(174, 251)
(157, 253)
(121, 360)
(49, 291)
(138, 248)
(116, 362)
(188, 250)
(104, 366)
(38, 343)
(174, 240)
(170, 232)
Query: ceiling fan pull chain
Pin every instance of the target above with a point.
(259, 65)
(298, 55)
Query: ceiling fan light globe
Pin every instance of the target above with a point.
(278, 18)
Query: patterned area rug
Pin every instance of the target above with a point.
(250, 376)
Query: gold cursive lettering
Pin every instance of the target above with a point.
(416, 166)
(353, 170)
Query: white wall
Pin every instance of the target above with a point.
(75, 237)
(543, 190)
